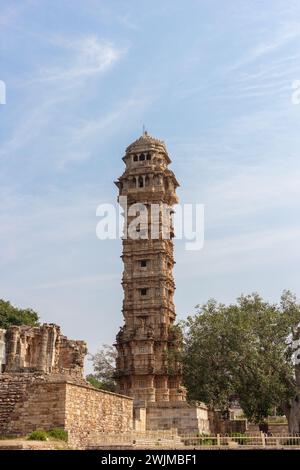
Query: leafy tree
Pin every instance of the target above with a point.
(246, 349)
(10, 315)
(94, 382)
(104, 363)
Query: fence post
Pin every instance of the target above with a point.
(218, 440)
(263, 439)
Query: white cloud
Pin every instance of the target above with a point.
(84, 57)
(78, 60)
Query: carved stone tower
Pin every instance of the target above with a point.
(147, 367)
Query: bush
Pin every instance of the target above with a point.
(93, 381)
(207, 442)
(58, 433)
(38, 435)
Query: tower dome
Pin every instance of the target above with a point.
(146, 142)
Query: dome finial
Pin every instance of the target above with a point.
(144, 130)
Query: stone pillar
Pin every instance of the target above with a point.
(162, 392)
(12, 337)
(43, 359)
(151, 180)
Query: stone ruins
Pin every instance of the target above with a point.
(42, 387)
(25, 349)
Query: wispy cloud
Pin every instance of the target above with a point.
(78, 60)
(278, 40)
(82, 137)
(258, 251)
(81, 281)
(127, 21)
(9, 14)
(82, 58)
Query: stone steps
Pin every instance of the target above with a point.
(140, 440)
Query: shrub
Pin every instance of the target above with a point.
(58, 433)
(207, 442)
(38, 435)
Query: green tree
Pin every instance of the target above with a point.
(104, 363)
(10, 315)
(246, 349)
(94, 382)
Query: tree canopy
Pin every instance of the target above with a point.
(244, 349)
(10, 315)
(104, 364)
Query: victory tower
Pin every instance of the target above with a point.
(147, 366)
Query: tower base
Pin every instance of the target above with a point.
(186, 418)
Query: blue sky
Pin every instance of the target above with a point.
(211, 78)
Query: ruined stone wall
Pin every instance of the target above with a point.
(40, 349)
(42, 387)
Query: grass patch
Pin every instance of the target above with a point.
(58, 433)
(38, 435)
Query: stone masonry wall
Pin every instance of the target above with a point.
(28, 403)
(90, 413)
(44, 408)
(11, 392)
(187, 418)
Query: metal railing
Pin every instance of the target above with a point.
(242, 440)
(171, 440)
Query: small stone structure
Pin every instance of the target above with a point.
(42, 386)
(185, 417)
